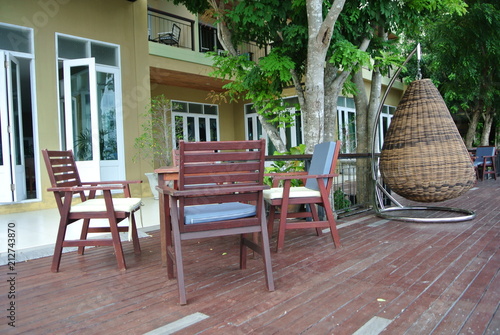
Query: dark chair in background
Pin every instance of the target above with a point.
(485, 162)
(171, 37)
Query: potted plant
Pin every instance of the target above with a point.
(154, 144)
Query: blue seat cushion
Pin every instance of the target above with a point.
(217, 212)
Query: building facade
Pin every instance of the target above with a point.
(79, 75)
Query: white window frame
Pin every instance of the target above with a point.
(197, 117)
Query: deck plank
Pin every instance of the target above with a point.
(416, 278)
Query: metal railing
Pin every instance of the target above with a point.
(352, 190)
(161, 22)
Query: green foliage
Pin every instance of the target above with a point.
(463, 53)
(340, 200)
(287, 166)
(154, 143)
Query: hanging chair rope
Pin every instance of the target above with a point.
(423, 157)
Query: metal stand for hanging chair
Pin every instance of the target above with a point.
(397, 212)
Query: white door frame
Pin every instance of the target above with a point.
(12, 170)
(89, 169)
(96, 168)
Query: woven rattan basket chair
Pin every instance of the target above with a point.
(424, 158)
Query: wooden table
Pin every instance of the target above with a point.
(165, 175)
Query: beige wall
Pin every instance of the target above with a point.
(88, 19)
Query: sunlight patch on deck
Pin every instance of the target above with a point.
(378, 223)
(175, 326)
(373, 327)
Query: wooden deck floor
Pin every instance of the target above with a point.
(407, 278)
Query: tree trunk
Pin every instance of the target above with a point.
(471, 131)
(363, 185)
(485, 134)
(273, 134)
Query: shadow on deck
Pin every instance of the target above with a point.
(389, 277)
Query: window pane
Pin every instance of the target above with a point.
(104, 54)
(107, 116)
(249, 109)
(202, 128)
(179, 106)
(191, 129)
(15, 39)
(71, 48)
(213, 130)
(250, 135)
(350, 102)
(298, 129)
(340, 102)
(82, 128)
(179, 129)
(210, 109)
(195, 109)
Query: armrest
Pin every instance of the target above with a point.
(85, 188)
(276, 177)
(211, 191)
(112, 182)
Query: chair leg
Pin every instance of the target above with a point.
(243, 253)
(281, 229)
(266, 254)
(135, 237)
(174, 232)
(83, 235)
(117, 244)
(270, 220)
(333, 226)
(56, 259)
(315, 217)
(180, 270)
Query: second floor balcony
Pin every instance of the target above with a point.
(185, 33)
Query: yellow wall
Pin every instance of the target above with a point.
(88, 19)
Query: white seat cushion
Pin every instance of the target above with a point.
(98, 205)
(295, 192)
(217, 212)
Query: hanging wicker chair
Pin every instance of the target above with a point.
(423, 157)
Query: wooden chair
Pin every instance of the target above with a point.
(219, 193)
(316, 191)
(484, 162)
(66, 184)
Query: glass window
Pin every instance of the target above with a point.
(104, 54)
(349, 102)
(210, 109)
(178, 106)
(15, 38)
(195, 122)
(71, 48)
(196, 108)
(340, 102)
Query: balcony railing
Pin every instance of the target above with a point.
(161, 22)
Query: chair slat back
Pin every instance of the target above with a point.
(62, 168)
(63, 172)
(176, 32)
(324, 161)
(224, 163)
